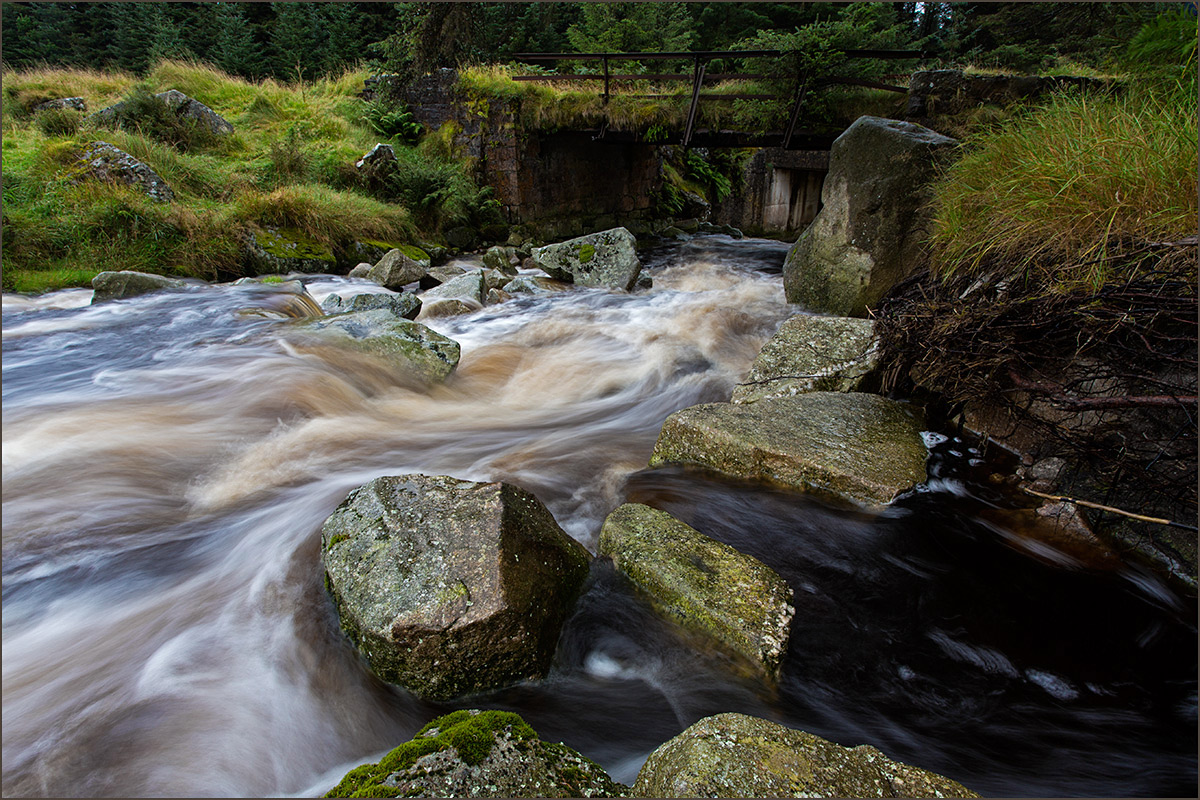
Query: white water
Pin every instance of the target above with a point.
(168, 462)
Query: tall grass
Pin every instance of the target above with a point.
(1052, 192)
(290, 163)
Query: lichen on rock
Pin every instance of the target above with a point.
(734, 755)
(703, 584)
(858, 447)
(450, 587)
(811, 353)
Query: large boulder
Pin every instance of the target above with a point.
(703, 584)
(189, 108)
(471, 753)
(858, 447)
(608, 259)
(868, 235)
(449, 587)
(409, 346)
(812, 354)
(184, 107)
(284, 250)
(109, 163)
(404, 304)
(734, 755)
(128, 283)
(397, 269)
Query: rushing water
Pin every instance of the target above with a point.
(169, 459)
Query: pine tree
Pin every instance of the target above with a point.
(234, 49)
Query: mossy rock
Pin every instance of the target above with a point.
(412, 348)
(473, 753)
(857, 447)
(275, 250)
(734, 755)
(450, 587)
(812, 354)
(703, 584)
(128, 283)
(373, 250)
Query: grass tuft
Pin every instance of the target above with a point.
(1068, 182)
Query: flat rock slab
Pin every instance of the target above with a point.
(734, 755)
(472, 753)
(128, 283)
(606, 259)
(812, 354)
(859, 447)
(450, 587)
(705, 585)
(410, 346)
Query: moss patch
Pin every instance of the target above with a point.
(290, 243)
(586, 252)
(472, 734)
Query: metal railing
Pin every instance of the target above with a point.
(700, 60)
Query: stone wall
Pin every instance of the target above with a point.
(563, 184)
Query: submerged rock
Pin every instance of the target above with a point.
(447, 307)
(128, 283)
(472, 753)
(410, 346)
(703, 584)
(279, 299)
(397, 269)
(449, 587)
(868, 235)
(859, 447)
(108, 163)
(607, 259)
(734, 755)
(404, 304)
(534, 284)
(812, 354)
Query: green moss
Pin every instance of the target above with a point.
(586, 253)
(471, 734)
(337, 537)
(290, 243)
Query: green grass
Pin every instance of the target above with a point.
(290, 163)
(1052, 192)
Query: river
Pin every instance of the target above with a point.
(168, 461)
